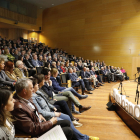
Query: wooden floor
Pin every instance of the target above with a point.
(100, 122)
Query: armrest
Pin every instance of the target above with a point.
(22, 136)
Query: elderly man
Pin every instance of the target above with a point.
(28, 120)
(4, 79)
(20, 70)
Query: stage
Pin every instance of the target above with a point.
(126, 108)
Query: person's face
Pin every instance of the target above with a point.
(29, 90)
(36, 88)
(10, 104)
(55, 75)
(21, 65)
(2, 65)
(71, 71)
(47, 77)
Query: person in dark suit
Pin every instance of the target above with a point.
(27, 62)
(56, 86)
(40, 61)
(86, 79)
(76, 81)
(105, 74)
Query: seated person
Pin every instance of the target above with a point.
(20, 70)
(105, 74)
(28, 120)
(9, 56)
(92, 72)
(27, 62)
(94, 79)
(4, 79)
(48, 89)
(76, 81)
(62, 67)
(56, 86)
(9, 66)
(40, 61)
(35, 62)
(7, 130)
(47, 109)
(124, 72)
(86, 79)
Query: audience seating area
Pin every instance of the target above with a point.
(26, 60)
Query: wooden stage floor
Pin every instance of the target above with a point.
(100, 122)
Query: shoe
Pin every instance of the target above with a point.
(77, 119)
(76, 124)
(76, 112)
(89, 92)
(83, 94)
(103, 83)
(93, 138)
(83, 97)
(84, 109)
(108, 81)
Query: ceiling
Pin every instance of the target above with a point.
(47, 3)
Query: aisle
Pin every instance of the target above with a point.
(98, 121)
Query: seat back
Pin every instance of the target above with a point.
(38, 70)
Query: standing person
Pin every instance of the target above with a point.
(7, 131)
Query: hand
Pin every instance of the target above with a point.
(42, 118)
(77, 79)
(55, 109)
(25, 68)
(50, 82)
(57, 114)
(54, 99)
(53, 120)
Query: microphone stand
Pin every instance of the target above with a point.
(121, 89)
(137, 95)
(135, 76)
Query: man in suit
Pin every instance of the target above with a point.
(28, 119)
(40, 60)
(49, 59)
(105, 74)
(27, 62)
(85, 77)
(76, 81)
(35, 62)
(20, 70)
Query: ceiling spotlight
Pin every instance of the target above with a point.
(52, 4)
(40, 7)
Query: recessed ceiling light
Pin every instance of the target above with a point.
(52, 4)
(40, 7)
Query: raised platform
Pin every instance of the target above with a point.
(129, 88)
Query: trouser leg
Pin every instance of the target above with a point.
(71, 97)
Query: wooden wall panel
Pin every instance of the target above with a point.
(105, 29)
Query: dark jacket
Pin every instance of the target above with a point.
(26, 119)
(56, 85)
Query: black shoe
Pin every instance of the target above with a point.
(89, 93)
(108, 81)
